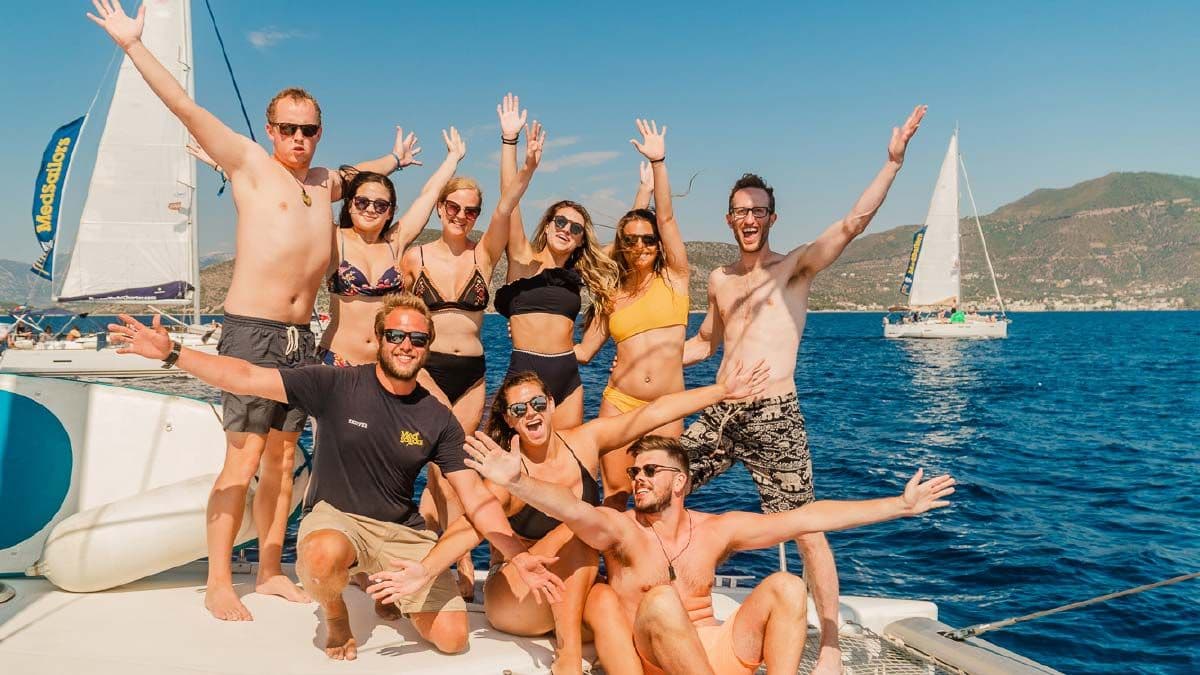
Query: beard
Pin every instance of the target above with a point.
(762, 241)
(391, 369)
(660, 504)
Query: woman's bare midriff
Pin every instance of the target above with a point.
(542, 333)
(457, 332)
(351, 331)
(650, 364)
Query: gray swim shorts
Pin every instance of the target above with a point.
(766, 435)
(271, 344)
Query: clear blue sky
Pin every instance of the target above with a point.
(1046, 94)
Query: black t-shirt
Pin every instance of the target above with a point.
(371, 444)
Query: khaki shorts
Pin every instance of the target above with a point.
(376, 544)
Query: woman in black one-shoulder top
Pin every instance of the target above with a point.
(523, 413)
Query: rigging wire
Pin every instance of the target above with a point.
(236, 90)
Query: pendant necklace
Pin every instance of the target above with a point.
(671, 560)
(303, 193)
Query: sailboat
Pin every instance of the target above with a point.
(932, 280)
(136, 241)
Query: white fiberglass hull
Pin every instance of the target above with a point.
(934, 329)
(87, 362)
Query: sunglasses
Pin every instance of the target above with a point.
(380, 205)
(469, 212)
(538, 402)
(561, 223)
(650, 470)
(289, 129)
(631, 240)
(396, 336)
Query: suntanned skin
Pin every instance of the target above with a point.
(758, 306)
(282, 247)
(325, 556)
(636, 544)
(649, 364)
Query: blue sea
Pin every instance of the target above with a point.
(1075, 443)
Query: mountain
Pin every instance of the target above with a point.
(1125, 240)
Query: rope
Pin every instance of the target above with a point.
(232, 78)
(981, 628)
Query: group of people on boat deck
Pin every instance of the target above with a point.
(397, 383)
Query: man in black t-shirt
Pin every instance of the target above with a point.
(376, 429)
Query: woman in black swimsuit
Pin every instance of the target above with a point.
(363, 266)
(524, 410)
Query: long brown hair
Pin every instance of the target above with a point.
(623, 270)
(497, 427)
(599, 272)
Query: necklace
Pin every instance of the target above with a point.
(671, 560)
(303, 193)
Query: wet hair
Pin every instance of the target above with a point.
(751, 180)
(497, 427)
(402, 301)
(599, 272)
(295, 94)
(671, 446)
(354, 181)
(460, 183)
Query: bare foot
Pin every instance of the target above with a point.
(283, 587)
(466, 578)
(564, 665)
(829, 662)
(340, 646)
(223, 603)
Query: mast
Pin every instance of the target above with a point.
(189, 70)
(983, 240)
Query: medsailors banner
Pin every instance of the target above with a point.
(47, 191)
(912, 261)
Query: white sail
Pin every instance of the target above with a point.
(936, 278)
(136, 235)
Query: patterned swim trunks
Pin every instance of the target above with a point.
(768, 436)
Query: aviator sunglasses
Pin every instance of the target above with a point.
(630, 240)
(650, 470)
(561, 223)
(289, 128)
(396, 336)
(470, 213)
(518, 409)
(379, 205)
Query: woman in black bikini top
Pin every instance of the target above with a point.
(363, 267)
(524, 410)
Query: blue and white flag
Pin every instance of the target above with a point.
(48, 189)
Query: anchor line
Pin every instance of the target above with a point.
(981, 628)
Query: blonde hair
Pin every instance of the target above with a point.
(402, 301)
(599, 272)
(296, 94)
(460, 183)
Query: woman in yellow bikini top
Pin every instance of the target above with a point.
(648, 321)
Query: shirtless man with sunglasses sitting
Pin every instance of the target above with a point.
(283, 241)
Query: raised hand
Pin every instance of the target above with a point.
(455, 145)
(654, 145)
(112, 18)
(535, 141)
(406, 148)
(198, 152)
(541, 581)
(151, 341)
(902, 135)
(920, 497)
(742, 382)
(404, 578)
(646, 176)
(494, 463)
(512, 118)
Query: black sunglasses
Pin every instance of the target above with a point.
(560, 222)
(650, 470)
(630, 240)
(396, 336)
(380, 205)
(452, 209)
(538, 402)
(289, 129)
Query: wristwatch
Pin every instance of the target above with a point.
(169, 361)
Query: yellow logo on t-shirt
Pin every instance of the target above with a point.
(411, 438)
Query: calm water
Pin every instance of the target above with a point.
(1075, 443)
